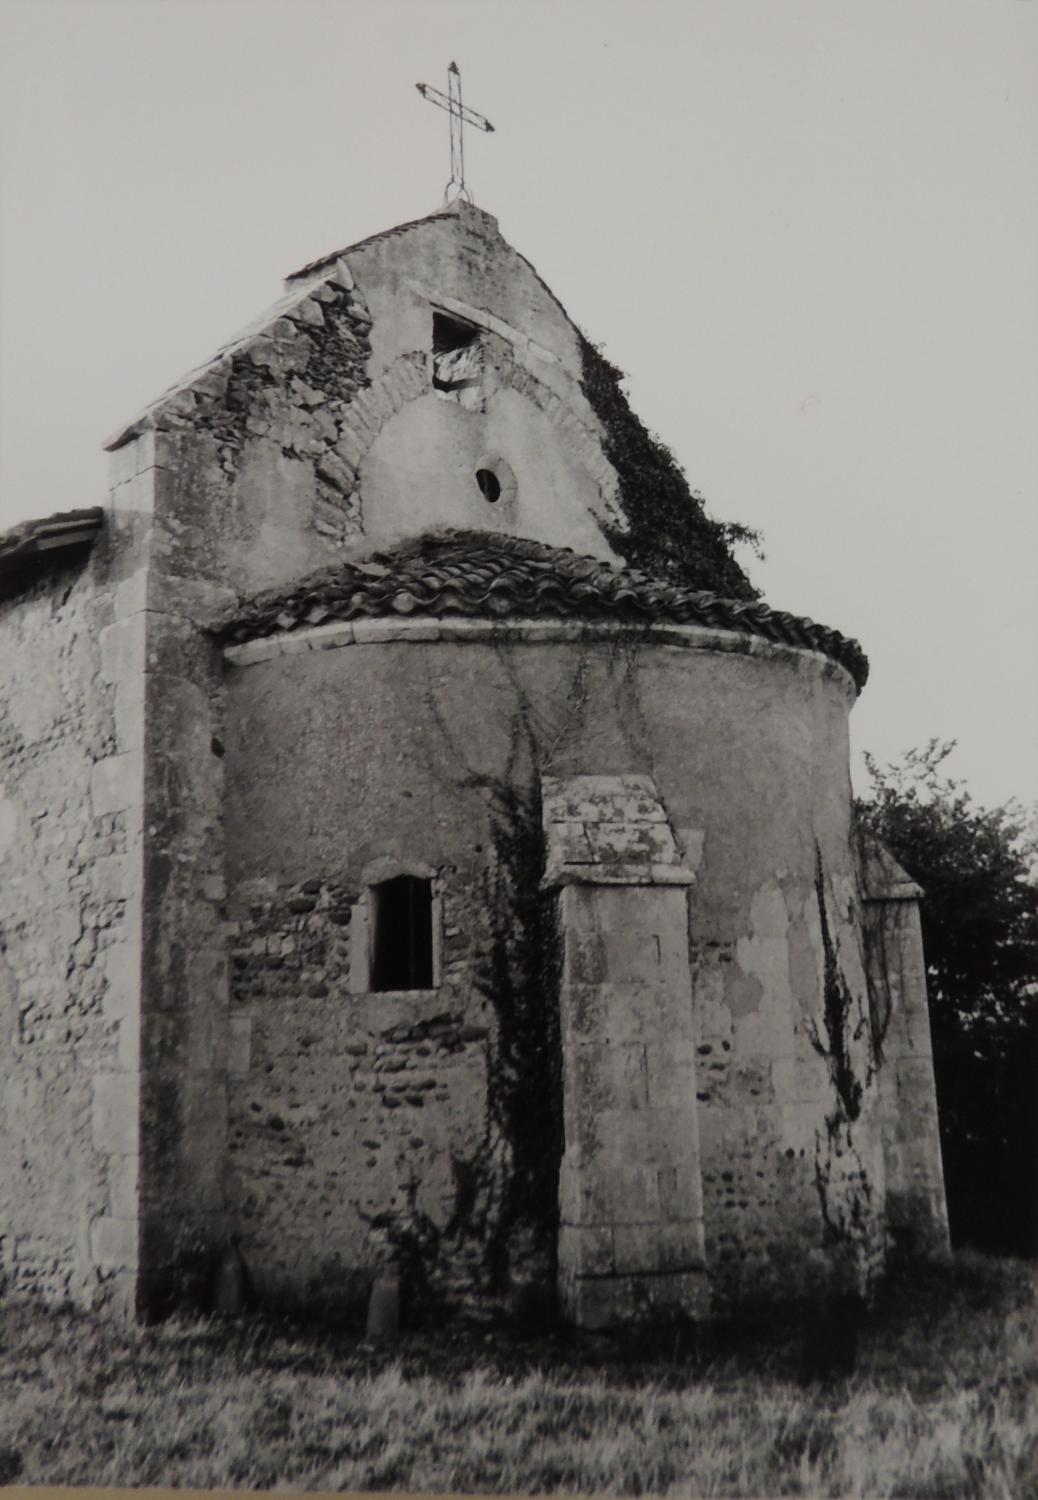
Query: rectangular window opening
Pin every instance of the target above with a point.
(457, 359)
(402, 937)
(452, 333)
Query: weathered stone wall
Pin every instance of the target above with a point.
(68, 1131)
(265, 465)
(399, 750)
(314, 437)
(318, 433)
(352, 1116)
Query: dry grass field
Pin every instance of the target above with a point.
(943, 1402)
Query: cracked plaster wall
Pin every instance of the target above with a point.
(336, 757)
(68, 855)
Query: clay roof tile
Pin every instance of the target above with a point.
(483, 573)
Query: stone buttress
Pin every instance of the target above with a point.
(630, 1196)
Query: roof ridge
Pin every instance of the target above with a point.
(323, 260)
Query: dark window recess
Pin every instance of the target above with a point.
(450, 333)
(456, 354)
(489, 484)
(402, 946)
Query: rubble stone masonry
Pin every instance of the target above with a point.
(69, 844)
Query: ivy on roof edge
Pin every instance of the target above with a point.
(670, 534)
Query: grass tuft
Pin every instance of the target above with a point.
(943, 1403)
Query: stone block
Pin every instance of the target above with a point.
(680, 1194)
(183, 1042)
(122, 465)
(568, 845)
(180, 648)
(813, 1085)
(661, 1247)
(116, 1113)
(719, 1132)
(643, 842)
(915, 1082)
(470, 630)
(239, 1051)
(620, 1193)
(336, 472)
(504, 330)
(601, 1075)
(652, 1137)
(616, 1012)
(184, 1126)
(586, 1250)
(113, 877)
(597, 1303)
(116, 1296)
(541, 354)
(128, 1045)
(686, 1293)
(671, 1072)
(570, 1201)
(793, 1127)
(244, 655)
(117, 782)
(784, 1078)
(308, 311)
(377, 632)
(589, 799)
(350, 450)
(131, 595)
(142, 495)
(627, 935)
(205, 604)
(113, 1244)
(294, 643)
(329, 637)
(129, 714)
(9, 819)
(123, 1187)
(123, 648)
(584, 955)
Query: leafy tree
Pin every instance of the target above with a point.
(977, 869)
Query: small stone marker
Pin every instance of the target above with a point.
(384, 1307)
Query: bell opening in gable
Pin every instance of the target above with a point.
(457, 361)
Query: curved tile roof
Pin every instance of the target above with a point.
(487, 575)
(25, 548)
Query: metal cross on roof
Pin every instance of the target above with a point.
(460, 116)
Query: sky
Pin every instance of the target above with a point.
(807, 231)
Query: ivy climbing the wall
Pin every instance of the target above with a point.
(845, 1192)
(669, 533)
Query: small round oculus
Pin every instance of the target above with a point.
(495, 480)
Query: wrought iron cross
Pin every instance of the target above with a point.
(460, 116)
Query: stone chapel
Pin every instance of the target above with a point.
(420, 845)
